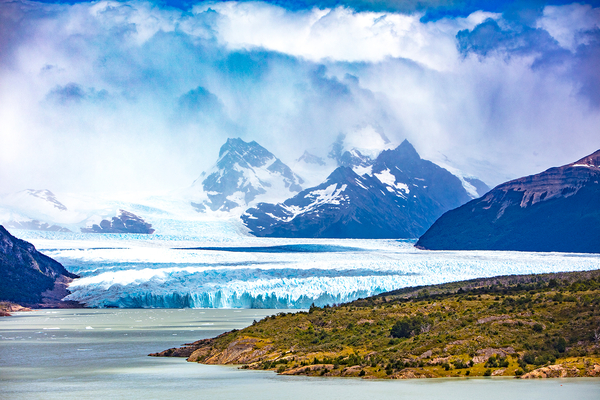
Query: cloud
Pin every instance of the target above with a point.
(564, 40)
(566, 23)
(489, 36)
(140, 96)
(72, 93)
(587, 60)
(200, 101)
(338, 34)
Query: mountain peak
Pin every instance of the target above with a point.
(407, 150)
(237, 150)
(341, 174)
(244, 171)
(46, 195)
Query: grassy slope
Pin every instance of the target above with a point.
(533, 321)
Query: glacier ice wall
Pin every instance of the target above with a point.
(176, 272)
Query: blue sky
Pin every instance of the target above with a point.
(141, 95)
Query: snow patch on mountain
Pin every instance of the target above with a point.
(36, 209)
(388, 179)
(474, 187)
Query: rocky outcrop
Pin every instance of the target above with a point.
(29, 277)
(309, 158)
(556, 210)
(552, 371)
(239, 351)
(484, 354)
(124, 222)
(411, 373)
(7, 307)
(565, 370)
(309, 369)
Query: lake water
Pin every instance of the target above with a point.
(92, 354)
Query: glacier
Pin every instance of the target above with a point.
(213, 266)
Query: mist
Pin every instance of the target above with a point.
(138, 96)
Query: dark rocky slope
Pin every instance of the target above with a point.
(556, 210)
(29, 277)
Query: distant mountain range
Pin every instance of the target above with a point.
(27, 276)
(397, 195)
(556, 210)
(371, 192)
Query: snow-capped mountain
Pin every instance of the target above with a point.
(34, 209)
(398, 195)
(244, 174)
(556, 210)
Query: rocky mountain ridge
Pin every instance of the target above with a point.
(397, 195)
(555, 210)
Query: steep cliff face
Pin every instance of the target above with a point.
(26, 275)
(556, 210)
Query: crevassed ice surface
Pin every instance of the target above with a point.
(236, 271)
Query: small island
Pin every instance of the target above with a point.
(529, 326)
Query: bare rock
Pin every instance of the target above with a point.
(484, 354)
(552, 371)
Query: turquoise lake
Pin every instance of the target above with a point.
(102, 354)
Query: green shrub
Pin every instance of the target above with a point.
(410, 326)
(561, 345)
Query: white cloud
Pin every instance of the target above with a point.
(303, 78)
(339, 34)
(564, 23)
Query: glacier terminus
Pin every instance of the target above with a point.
(238, 271)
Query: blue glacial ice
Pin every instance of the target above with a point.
(235, 271)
